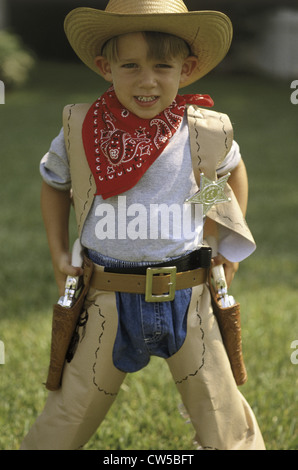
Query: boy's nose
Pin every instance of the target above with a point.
(147, 79)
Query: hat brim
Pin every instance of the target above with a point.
(208, 33)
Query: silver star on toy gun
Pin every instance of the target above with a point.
(210, 192)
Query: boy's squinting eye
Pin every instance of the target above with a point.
(132, 65)
(163, 66)
(129, 66)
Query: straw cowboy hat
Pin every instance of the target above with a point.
(208, 33)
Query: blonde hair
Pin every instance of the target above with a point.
(161, 46)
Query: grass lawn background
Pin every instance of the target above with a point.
(145, 415)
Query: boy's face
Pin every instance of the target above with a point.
(144, 86)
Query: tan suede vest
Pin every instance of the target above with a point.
(211, 137)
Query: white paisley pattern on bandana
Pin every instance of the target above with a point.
(120, 147)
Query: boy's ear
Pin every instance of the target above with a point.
(104, 67)
(189, 66)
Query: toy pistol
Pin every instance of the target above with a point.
(221, 287)
(219, 278)
(73, 284)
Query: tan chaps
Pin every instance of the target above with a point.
(221, 417)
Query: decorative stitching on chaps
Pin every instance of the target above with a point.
(112, 394)
(203, 353)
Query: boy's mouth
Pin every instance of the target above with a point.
(146, 99)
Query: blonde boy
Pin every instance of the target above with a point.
(129, 157)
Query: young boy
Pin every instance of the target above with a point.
(127, 159)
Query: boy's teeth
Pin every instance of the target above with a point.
(146, 98)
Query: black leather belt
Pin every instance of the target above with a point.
(197, 259)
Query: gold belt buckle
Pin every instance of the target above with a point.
(150, 272)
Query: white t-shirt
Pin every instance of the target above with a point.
(150, 222)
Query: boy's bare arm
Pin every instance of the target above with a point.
(55, 207)
(239, 183)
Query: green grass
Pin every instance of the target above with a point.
(145, 415)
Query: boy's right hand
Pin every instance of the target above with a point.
(64, 268)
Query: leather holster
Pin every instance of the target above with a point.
(63, 326)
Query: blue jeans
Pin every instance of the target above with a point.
(146, 328)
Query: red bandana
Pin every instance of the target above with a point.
(120, 147)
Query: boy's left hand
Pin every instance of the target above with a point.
(229, 267)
